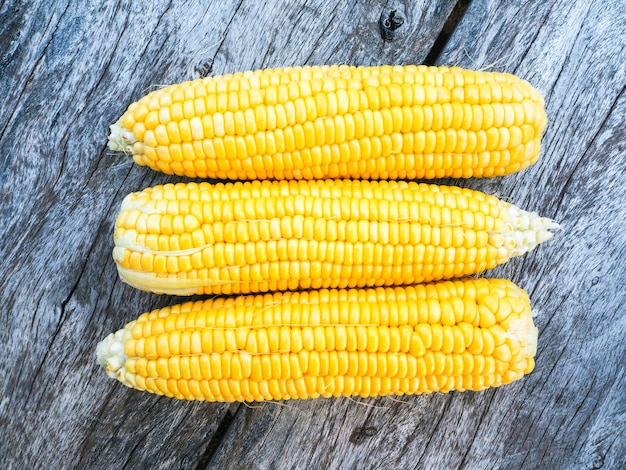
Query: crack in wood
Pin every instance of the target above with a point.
(217, 438)
(455, 17)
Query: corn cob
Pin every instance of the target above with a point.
(452, 335)
(259, 236)
(337, 122)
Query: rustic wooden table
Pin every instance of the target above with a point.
(68, 69)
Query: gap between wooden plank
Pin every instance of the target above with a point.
(448, 28)
(218, 436)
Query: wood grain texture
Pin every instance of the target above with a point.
(68, 69)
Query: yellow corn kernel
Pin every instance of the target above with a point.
(200, 238)
(324, 343)
(447, 122)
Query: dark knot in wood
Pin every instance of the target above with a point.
(390, 21)
(204, 69)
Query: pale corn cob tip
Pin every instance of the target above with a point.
(524, 329)
(121, 139)
(525, 231)
(110, 354)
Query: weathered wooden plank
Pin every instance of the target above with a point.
(68, 69)
(569, 413)
(67, 82)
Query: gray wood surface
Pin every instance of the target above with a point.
(68, 69)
